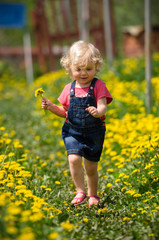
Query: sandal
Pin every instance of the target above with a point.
(93, 202)
(80, 200)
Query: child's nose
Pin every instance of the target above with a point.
(83, 71)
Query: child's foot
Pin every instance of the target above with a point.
(79, 199)
(93, 200)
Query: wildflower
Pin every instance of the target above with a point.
(133, 214)
(144, 211)
(121, 175)
(85, 220)
(122, 189)
(109, 185)
(12, 230)
(131, 192)
(57, 182)
(36, 217)
(39, 92)
(110, 170)
(128, 184)
(126, 219)
(67, 225)
(104, 210)
(149, 165)
(13, 210)
(151, 235)
(11, 154)
(117, 180)
(53, 235)
(137, 195)
(26, 236)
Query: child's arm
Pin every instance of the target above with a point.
(101, 108)
(48, 105)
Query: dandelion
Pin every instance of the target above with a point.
(36, 217)
(39, 92)
(67, 225)
(53, 235)
(109, 185)
(85, 220)
(131, 192)
(126, 219)
(133, 214)
(151, 235)
(117, 180)
(104, 210)
(12, 230)
(110, 170)
(137, 195)
(57, 182)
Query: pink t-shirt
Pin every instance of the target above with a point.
(100, 91)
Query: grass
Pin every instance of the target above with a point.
(35, 183)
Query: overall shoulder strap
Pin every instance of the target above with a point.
(72, 89)
(92, 85)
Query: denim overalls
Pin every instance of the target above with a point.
(82, 133)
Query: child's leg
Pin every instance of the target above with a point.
(76, 169)
(92, 178)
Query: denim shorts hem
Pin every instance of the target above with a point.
(76, 151)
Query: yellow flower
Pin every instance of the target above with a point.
(117, 180)
(53, 235)
(67, 225)
(85, 220)
(151, 235)
(13, 210)
(126, 219)
(39, 92)
(36, 217)
(137, 195)
(57, 182)
(131, 192)
(104, 210)
(133, 214)
(12, 230)
(109, 185)
(110, 170)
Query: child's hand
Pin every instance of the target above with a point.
(93, 111)
(46, 104)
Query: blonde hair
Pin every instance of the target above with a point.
(81, 54)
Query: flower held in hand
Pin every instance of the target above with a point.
(39, 92)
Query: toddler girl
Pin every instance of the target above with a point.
(84, 104)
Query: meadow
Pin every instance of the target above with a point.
(35, 183)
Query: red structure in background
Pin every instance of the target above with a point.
(56, 26)
(53, 39)
(134, 40)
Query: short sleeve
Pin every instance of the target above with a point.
(64, 97)
(101, 90)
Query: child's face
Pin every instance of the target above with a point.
(83, 75)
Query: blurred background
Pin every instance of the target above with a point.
(51, 26)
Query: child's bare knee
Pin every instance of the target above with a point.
(74, 159)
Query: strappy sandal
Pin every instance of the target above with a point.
(81, 199)
(93, 202)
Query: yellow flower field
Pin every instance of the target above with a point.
(35, 183)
